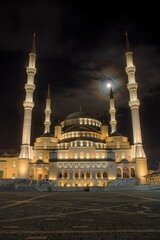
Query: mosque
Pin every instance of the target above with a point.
(81, 151)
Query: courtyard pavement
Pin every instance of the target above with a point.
(80, 215)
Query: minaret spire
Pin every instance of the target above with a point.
(112, 112)
(111, 93)
(134, 103)
(48, 92)
(47, 122)
(33, 49)
(128, 47)
(138, 152)
(28, 105)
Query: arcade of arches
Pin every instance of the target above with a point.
(125, 172)
(39, 173)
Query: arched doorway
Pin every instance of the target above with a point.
(39, 176)
(45, 173)
(119, 172)
(125, 172)
(133, 172)
(39, 173)
(31, 175)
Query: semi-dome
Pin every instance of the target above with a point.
(82, 139)
(39, 161)
(47, 134)
(124, 161)
(115, 134)
(79, 114)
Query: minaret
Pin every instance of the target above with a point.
(112, 112)
(28, 105)
(134, 103)
(47, 122)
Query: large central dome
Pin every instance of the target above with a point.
(79, 114)
(80, 128)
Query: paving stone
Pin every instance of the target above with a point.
(75, 215)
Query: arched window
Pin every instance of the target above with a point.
(82, 155)
(76, 175)
(105, 175)
(71, 165)
(88, 175)
(82, 165)
(65, 175)
(102, 155)
(59, 165)
(98, 175)
(60, 175)
(97, 155)
(82, 175)
(40, 155)
(87, 155)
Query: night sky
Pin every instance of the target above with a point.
(80, 47)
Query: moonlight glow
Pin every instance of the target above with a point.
(108, 85)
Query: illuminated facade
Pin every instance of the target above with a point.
(153, 177)
(81, 151)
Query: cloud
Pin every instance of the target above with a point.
(147, 61)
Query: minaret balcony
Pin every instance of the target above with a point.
(113, 122)
(130, 69)
(32, 70)
(112, 110)
(132, 86)
(47, 122)
(47, 111)
(134, 103)
(30, 87)
(29, 105)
